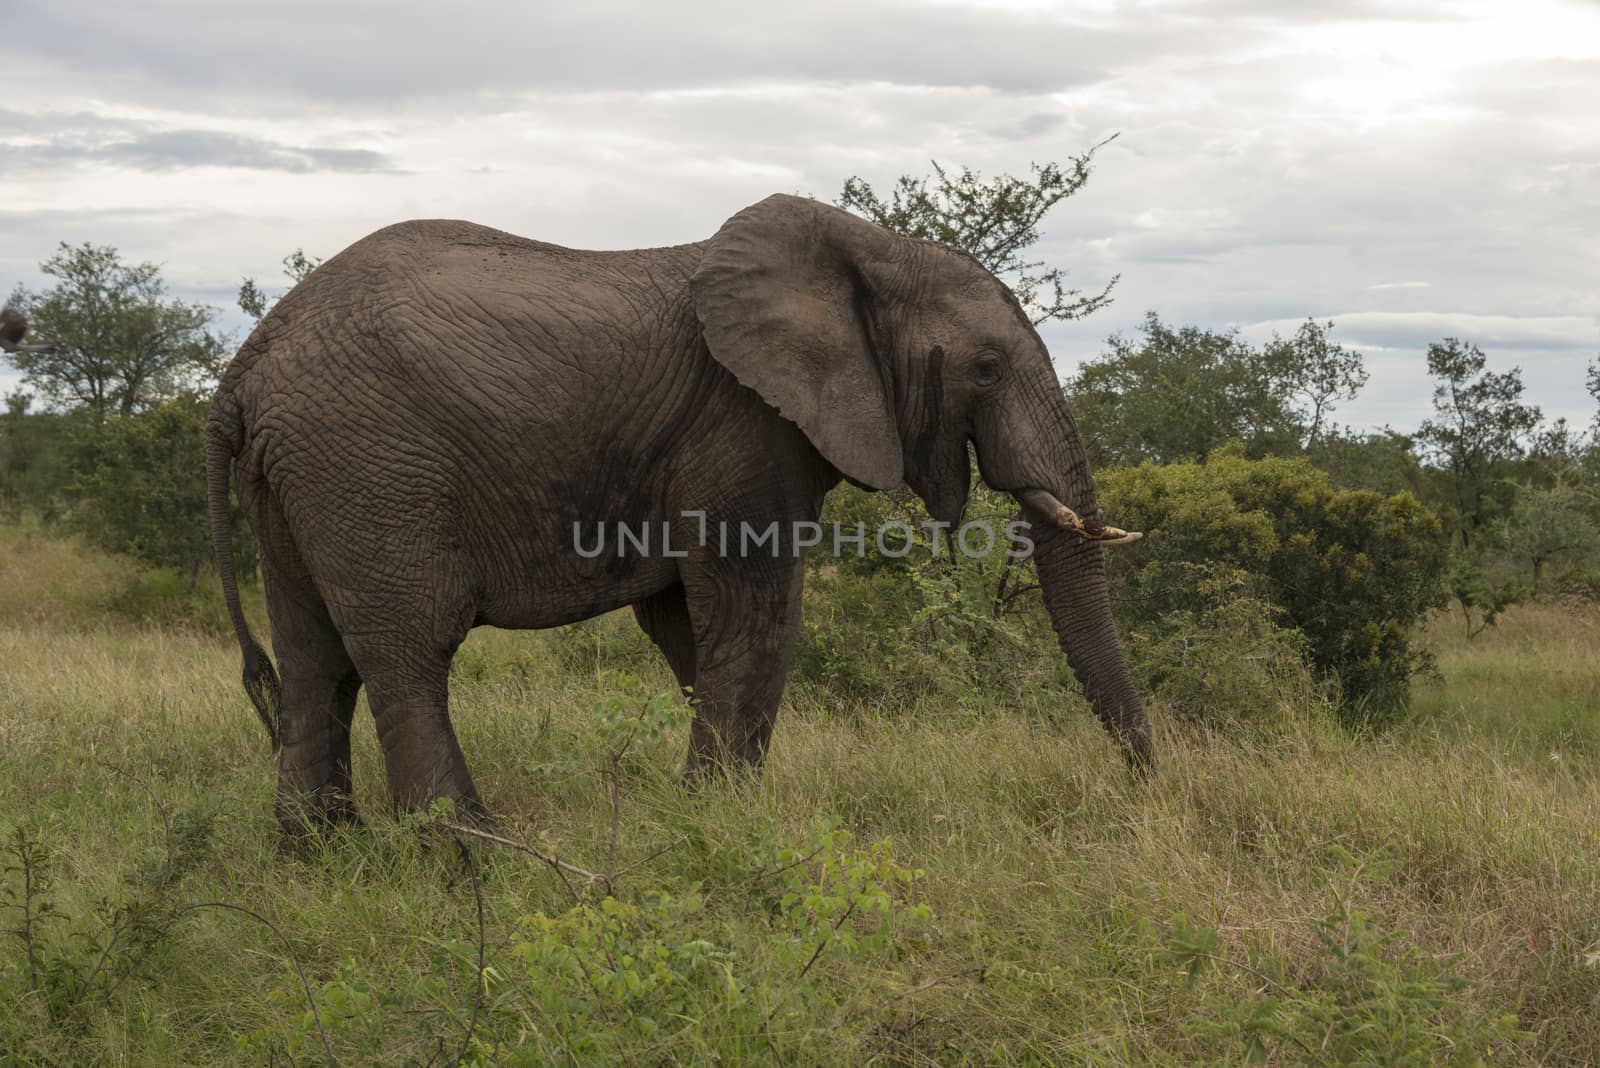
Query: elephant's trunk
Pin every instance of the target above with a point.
(1073, 576)
(1029, 445)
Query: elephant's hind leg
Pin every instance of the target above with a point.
(320, 684)
(403, 644)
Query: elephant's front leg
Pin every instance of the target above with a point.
(746, 617)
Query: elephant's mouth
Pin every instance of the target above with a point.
(1045, 503)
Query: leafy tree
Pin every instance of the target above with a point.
(253, 300)
(1592, 382)
(1314, 373)
(1552, 524)
(1591, 456)
(1385, 461)
(1479, 426)
(996, 221)
(1176, 394)
(140, 488)
(121, 343)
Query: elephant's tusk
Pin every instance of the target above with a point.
(1065, 518)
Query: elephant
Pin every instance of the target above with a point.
(417, 431)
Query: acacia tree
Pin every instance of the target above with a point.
(1479, 425)
(120, 342)
(995, 221)
(254, 302)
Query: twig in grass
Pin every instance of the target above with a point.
(980, 970)
(479, 985)
(560, 867)
(1263, 976)
(294, 959)
(674, 844)
(816, 953)
(614, 777)
(763, 876)
(599, 998)
(822, 945)
(29, 854)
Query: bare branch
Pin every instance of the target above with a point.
(560, 867)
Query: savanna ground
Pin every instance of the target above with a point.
(908, 885)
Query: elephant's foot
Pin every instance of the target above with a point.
(705, 766)
(304, 816)
(466, 810)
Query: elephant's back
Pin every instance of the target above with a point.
(449, 256)
(470, 345)
(431, 297)
(451, 246)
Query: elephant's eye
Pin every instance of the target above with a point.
(986, 370)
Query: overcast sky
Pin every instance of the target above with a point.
(1410, 170)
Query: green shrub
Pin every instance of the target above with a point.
(1352, 570)
(155, 596)
(141, 489)
(1227, 661)
(970, 631)
(1259, 589)
(660, 970)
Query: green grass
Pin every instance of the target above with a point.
(1529, 683)
(1054, 921)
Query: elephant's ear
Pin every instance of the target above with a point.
(782, 296)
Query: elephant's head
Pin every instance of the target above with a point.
(891, 354)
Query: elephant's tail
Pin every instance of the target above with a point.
(222, 443)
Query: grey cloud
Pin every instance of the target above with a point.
(1327, 10)
(87, 138)
(170, 149)
(56, 124)
(195, 262)
(305, 50)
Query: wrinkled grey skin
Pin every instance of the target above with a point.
(416, 427)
